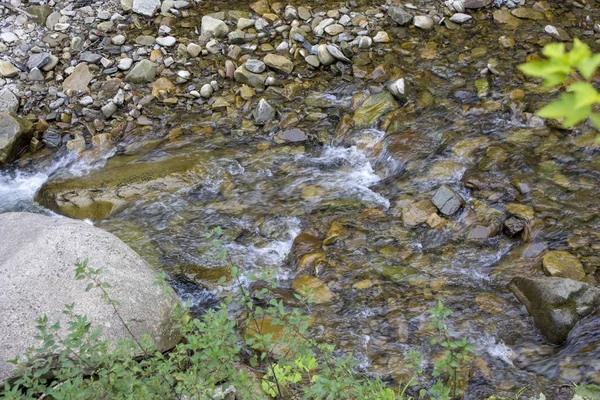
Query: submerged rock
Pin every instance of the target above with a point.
(447, 200)
(37, 277)
(373, 108)
(105, 191)
(313, 288)
(417, 213)
(562, 264)
(556, 304)
(15, 134)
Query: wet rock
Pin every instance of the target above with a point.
(382, 37)
(105, 191)
(423, 21)
(528, 13)
(504, 17)
(336, 52)
(207, 277)
(373, 108)
(324, 55)
(143, 72)
(15, 135)
(476, 3)
(417, 213)
(460, 18)
(556, 304)
(162, 87)
(557, 33)
(242, 75)
(313, 288)
(400, 16)
(514, 225)
(145, 7)
(263, 113)
(447, 200)
(8, 101)
(292, 135)
(562, 264)
(8, 70)
(260, 7)
(213, 27)
(520, 210)
(255, 66)
(279, 63)
(37, 279)
(79, 79)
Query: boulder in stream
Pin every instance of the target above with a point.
(15, 134)
(37, 277)
(556, 304)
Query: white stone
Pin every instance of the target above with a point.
(213, 26)
(146, 7)
(460, 18)
(167, 41)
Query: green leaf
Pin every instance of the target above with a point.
(579, 52)
(576, 116)
(585, 94)
(559, 108)
(595, 117)
(588, 65)
(554, 50)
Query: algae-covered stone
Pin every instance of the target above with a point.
(313, 288)
(373, 108)
(520, 210)
(15, 135)
(556, 304)
(562, 264)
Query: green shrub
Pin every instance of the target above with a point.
(576, 69)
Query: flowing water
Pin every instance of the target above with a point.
(264, 194)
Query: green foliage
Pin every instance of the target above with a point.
(265, 350)
(456, 355)
(577, 68)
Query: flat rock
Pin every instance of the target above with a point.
(37, 60)
(79, 79)
(142, 72)
(424, 22)
(477, 3)
(8, 101)
(255, 66)
(417, 213)
(292, 135)
(556, 304)
(460, 18)
(400, 16)
(279, 63)
(8, 70)
(145, 7)
(37, 276)
(242, 75)
(313, 288)
(374, 107)
(446, 200)
(562, 264)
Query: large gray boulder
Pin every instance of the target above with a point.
(15, 135)
(37, 277)
(556, 304)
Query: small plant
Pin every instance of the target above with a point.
(576, 68)
(456, 354)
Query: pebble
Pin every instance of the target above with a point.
(381, 37)
(125, 63)
(423, 22)
(460, 18)
(167, 41)
(206, 90)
